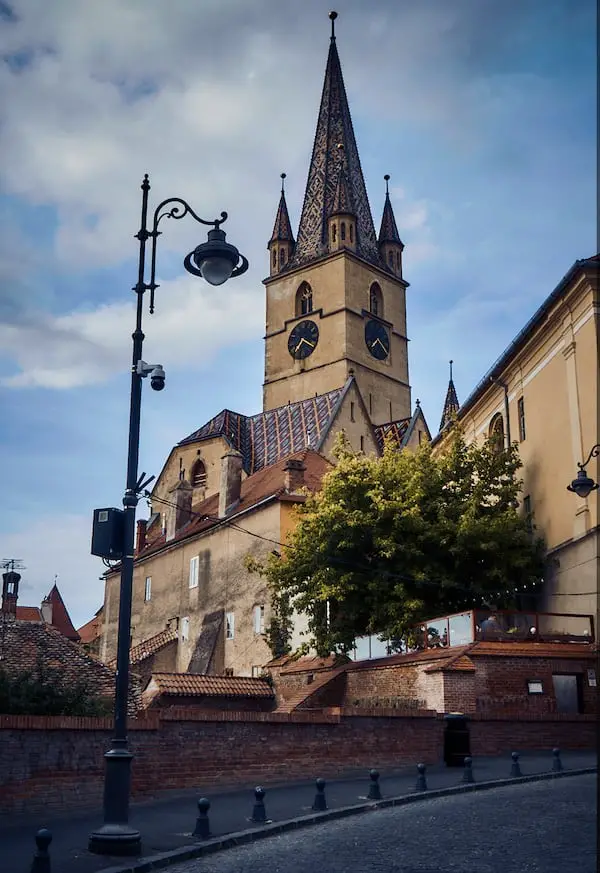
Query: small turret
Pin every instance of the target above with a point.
(281, 245)
(451, 404)
(390, 244)
(342, 221)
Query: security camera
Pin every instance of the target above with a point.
(157, 378)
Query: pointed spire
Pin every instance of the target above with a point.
(334, 127)
(282, 229)
(451, 404)
(388, 231)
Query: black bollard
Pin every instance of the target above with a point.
(374, 790)
(515, 770)
(468, 771)
(41, 858)
(259, 813)
(202, 829)
(320, 803)
(556, 762)
(421, 781)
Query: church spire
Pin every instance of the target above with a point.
(451, 404)
(334, 128)
(281, 244)
(390, 244)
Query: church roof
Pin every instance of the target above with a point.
(396, 429)
(388, 231)
(451, 404)
(343, 203)
(334, 128)
(282, 229)
(264, 438)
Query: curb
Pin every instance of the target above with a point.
(240, 838)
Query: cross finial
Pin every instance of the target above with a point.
(387, 179)
(283, 175)
(333, 16)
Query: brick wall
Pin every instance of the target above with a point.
(495, 734)
(219, 704)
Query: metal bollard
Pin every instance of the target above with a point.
(259, 813)
(374, 790)
(468, 771)
(41, 858)
(556, 762)
(202, 829)
(320, 803)
(421, 781)
(515, 770)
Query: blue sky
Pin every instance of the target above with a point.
(484, 114)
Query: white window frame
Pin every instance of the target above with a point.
(185, 629)
(194, 571)
(148, 589)
(229, 626)
(258, 619)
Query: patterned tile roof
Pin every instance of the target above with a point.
(395, 429)
(266, 437)
(282, 229)
(343, 202)
(195, 685)
(334, 128)
(388, 232)
(451, 404)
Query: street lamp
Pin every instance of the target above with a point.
(583, 485)
(215, 261)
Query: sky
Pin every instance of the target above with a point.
(483, 112)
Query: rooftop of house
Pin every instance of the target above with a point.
(197, 685)
(59, 617)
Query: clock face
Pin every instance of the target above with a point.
(303, 339)
(377, 339)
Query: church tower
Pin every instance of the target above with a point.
(336, 297)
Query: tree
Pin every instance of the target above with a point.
(45, 691)
(389, 542)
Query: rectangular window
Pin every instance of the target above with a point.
(256, 671)
(259, 619)
(362, 443)
(391, 418)
(521, 416)
(527, 511)
(351, 411)
(229, 625)
(148, 589)
(370, 404)
(194, 571)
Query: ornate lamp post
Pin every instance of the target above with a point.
(215, 261)
(583, 485)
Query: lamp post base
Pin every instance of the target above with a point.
(115, 839)
(116, 836)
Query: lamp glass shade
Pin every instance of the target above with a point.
(216, 270)
(582, 485)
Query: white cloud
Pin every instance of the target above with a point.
(82, 348)
(58, 544)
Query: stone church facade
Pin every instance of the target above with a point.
(336, 359)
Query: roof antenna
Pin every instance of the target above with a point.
(333, 16)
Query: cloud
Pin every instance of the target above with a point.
(88, 347)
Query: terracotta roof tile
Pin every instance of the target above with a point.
(61, 619)
(533, 650)
(91, 630)
(196, 685)
(29, 613)
(309, 663)
(152, 645)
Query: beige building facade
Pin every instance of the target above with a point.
(542, 393)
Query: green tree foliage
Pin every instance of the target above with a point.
(389, 542)
(45, 691)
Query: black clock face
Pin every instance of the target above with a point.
(377, 339)
(303, 339)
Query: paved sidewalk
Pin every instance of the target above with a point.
(167, 823)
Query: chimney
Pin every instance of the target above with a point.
(231, 482)
(10, 592)
(140, 539)
(294, 475)
(46, 610)
(181, 511)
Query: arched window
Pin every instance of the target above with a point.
(496, 433)
(343, 230)
(391, 259)
(351, 233)
(333, 233)
(304, 299)
(199, 474)
(281, 257)
(376, 300)
(274, 258)
(398, 260)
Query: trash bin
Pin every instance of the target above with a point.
(457, 744)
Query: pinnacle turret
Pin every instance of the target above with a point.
(451, 404)
(281, 244)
